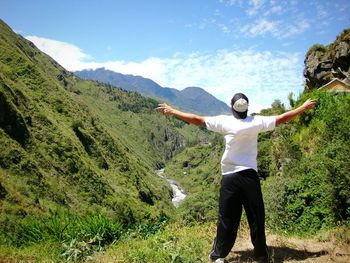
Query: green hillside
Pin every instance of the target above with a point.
(71, 148)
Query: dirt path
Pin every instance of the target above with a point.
(291, 250)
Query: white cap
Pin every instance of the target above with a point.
(241, 105)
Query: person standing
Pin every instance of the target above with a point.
(240, 185)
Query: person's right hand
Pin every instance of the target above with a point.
(164, 109)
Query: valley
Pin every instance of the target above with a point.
(78, 180)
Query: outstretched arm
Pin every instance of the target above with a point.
(290, 115)
(188, 117)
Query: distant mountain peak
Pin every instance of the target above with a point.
(193, 99)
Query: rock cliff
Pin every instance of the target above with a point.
(324, 63)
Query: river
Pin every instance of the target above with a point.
(178, 193)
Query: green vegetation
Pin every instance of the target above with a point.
(79, 147)
(197, 170)
(78, 161)
(317, 48)
(72, 237)
(305, 162)
(80, 236)
(175, 243)
(309, 164)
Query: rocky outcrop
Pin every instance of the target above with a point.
(324, 63)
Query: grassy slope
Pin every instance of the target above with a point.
(77, 145)
(55, 152)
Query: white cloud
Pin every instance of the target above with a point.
(278, 19)
(18, 31)
(341, 7)
(232, 2)
(261, 27)
(275, 9)
(66, 54)
(263, 76)
(297, 28)
(224, 28)
(255, 6)
(277, 29)
(321, 12)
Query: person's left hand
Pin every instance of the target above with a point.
(309, 104)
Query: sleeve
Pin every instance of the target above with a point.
(214, 124)
(268, 123)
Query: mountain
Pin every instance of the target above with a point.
(191, 99)
(324, 63)
(78, 146)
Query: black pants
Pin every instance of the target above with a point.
(237, 190)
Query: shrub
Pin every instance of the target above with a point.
(312, 191)
(316, 48)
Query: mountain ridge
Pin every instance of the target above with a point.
(194, 99)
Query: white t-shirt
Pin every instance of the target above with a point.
(241, 137)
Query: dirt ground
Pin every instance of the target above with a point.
(291, 250)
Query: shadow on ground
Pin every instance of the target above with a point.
(278, 255)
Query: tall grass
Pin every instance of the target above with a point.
(80, 236)
(176, 243)
(71, 237)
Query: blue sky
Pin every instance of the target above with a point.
(224, 46)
